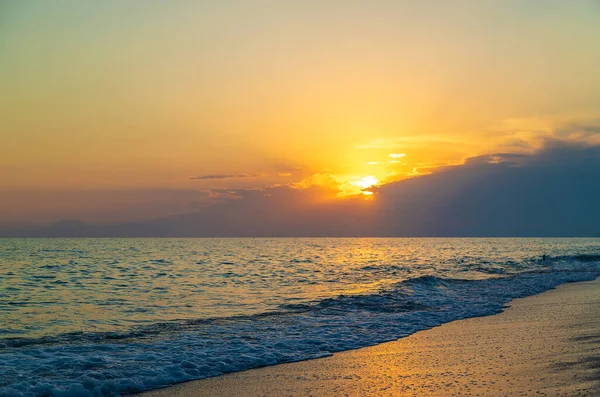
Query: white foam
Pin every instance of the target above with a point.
(170, 354)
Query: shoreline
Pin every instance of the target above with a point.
(540, 345)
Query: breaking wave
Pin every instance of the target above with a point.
(161, 354)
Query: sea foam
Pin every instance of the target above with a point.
(161, 354)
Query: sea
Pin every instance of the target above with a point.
(107, 317)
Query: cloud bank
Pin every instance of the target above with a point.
(553, 192)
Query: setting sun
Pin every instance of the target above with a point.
(365, 182)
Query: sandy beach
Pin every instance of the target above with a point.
(544, 345)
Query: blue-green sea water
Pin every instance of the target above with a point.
(115, 316)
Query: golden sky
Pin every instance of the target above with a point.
(186, 95)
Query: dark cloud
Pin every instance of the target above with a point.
(225, 176)
(554, 192)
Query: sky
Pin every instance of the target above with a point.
(314, 114)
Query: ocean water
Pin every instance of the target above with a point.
(115, 316)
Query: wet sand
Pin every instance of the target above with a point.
(544, 345)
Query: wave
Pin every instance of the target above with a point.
(585, 258)
(113, 363)
(395, 299)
